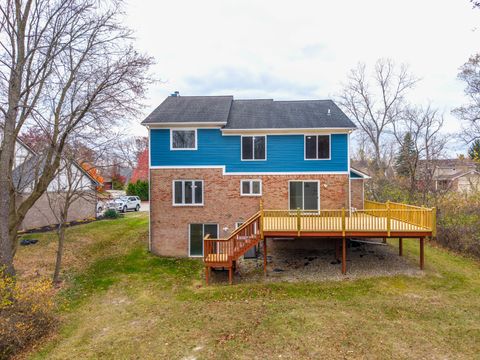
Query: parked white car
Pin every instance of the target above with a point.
(100, 207)
(125, 203)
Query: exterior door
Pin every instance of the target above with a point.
(304, 195)
(197, 233)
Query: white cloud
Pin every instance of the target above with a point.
(302, 49)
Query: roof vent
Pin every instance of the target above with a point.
(328, 112)
(175, 94)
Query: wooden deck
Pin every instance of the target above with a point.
(384, 220)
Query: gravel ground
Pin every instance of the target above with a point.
(292, 265)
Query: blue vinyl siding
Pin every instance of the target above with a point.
(285, 153)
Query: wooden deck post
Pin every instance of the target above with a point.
(299, 222)
(207, 274)
(400, 246)
(260, 220)
(388, 218)
(344, 255)
(422, 253)
(230, 275)
(265, 256)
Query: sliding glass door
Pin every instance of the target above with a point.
(197, 233)
(304, 195)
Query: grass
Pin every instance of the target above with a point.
(119, 301)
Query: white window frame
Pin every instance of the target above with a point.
(203, 233)
(303, 199)
(316, 135)
(251, 187)
(184, 149)
(253, 149)
(183, 192)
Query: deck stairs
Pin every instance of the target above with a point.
(224, 253)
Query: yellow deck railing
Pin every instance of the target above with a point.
(375, 217)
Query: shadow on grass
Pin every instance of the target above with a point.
(139, 265)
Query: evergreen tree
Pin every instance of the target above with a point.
(406, 156)
(474, 150)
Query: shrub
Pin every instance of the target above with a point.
(458, 222)
(111, 214)
(26, 313)
(139, 188)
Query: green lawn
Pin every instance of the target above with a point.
(122, 302)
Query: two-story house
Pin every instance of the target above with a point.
(212, 158)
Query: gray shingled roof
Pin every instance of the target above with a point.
(191, 109)
(270, 114)
(251, 114)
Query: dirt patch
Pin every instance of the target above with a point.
(292, 265)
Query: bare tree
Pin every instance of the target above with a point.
(128, 150)
(470, 112)
(376, 101)
(424, 125)
(71, 187)
(67, 67)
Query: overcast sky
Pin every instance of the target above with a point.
(302, 49)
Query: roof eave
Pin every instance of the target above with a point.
(359, 173)
(281, 131)
(176, 124)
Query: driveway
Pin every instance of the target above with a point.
(145, 206)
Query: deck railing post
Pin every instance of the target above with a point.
(343, 222)
(299, 221)
(388, 218)
(260, 221)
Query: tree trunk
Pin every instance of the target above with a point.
(61, 239)
(7, 244)
(58, 261)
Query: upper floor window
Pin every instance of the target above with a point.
(188, 192)
(251, 187)
(254, 147)
(317, 147)
(183, 140)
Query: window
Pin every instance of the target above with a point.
(196, 234)
(303, 195)
(317, 147)
(254, 147)
(188, 192)
(183, 140)
(251, 187)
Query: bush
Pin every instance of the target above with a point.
(111, 214)
(140, 189)
(26, 313)
(458, 223)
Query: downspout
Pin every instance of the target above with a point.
(149, 194)
(349, 179)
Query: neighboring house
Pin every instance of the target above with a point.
(109, 172)
(213, 158)
(25, 174)
(454, 175)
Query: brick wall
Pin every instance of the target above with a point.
(41, 214)
(357, 193)
(223, 204)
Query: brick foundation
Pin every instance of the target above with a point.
(223, 204)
